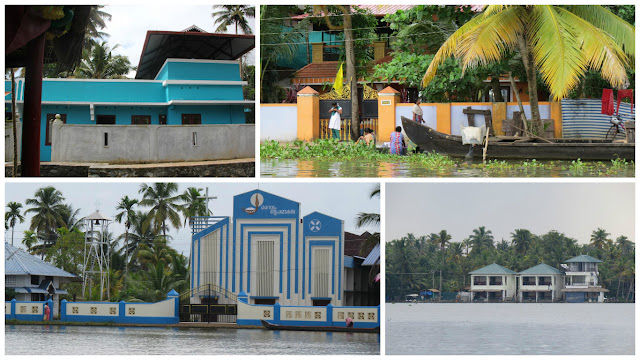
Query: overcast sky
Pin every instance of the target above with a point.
(341, 200)
(575, 209)
(129, 24)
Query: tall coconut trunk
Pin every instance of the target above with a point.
(530, 68)
(351, 72)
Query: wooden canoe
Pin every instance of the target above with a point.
(271, 326)
(430, 140)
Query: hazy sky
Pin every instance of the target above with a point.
(575, 209)
(129, 24)
(341, 200)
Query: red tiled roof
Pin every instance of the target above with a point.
(318, 70)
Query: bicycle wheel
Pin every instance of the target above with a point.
(611, 134)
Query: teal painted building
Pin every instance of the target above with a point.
(183, 78)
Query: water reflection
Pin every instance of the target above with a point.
(400, 168)
(97, 340)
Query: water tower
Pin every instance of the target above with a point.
(96, 254)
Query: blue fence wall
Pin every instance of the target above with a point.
(27, 310)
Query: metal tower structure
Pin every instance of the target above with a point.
(96, 254)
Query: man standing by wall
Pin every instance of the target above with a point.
(334, 121)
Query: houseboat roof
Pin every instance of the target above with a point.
(162, 45)
(492, 269)
(583, 259)
(541, 269)
(19, 262)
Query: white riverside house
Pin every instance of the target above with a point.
(581, 280)
(33, 279)
(540, 283)
(493, 283)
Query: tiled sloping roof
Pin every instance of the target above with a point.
(492, 269)
(19, 262)
(373, 258)
(541, 269)
(318, 70)
(583, 259)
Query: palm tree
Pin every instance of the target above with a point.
(364, 219)
(562, 43)
(99, 63)
(193, 205)
(70, 217)
(481, 238)
(138, 235)
(467, 243)
(233, 15)
(127, 214)
(12, 216)
(48, 210)
(97, 22)
(599, 238)
(163, 202)
(521, 240)
(276, 44)
(30, 240)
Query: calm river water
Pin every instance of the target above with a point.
(374, 168)
(95, 340)
(531, 329)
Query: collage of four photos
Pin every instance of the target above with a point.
(376, 179)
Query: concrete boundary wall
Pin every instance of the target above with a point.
(8, 140)
(363, 316)
(26, 310)
(163, 312)
(151, 143)
(277, 120)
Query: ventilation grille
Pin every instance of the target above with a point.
(321, 272)
(264, 268)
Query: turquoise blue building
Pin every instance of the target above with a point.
(183, 78)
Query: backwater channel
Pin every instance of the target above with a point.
(376, 168)
(106, 340)
(510, 329)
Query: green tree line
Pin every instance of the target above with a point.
(144, 267)
(413, 263)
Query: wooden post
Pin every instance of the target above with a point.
(32, 107)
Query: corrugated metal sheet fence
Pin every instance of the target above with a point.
(581, 118)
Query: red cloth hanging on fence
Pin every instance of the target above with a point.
(625, 93)
(607, 102)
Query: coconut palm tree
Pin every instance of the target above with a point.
(162, 199)
(237, 15)
(521, 240)
(193, 205)
(364, 219)
(99, 63)
(48, 208)
(126, 215)
(600, 238)
(12, 216)
(481, 239)
(138, 235)
(561, 43)
(70, 217)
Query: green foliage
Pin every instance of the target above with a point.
(418, 254)
(423, 28)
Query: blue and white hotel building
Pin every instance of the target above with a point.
(183, 78)
(268, 253)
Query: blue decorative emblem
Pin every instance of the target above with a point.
(315, 225)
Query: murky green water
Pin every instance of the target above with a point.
(375, 168)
